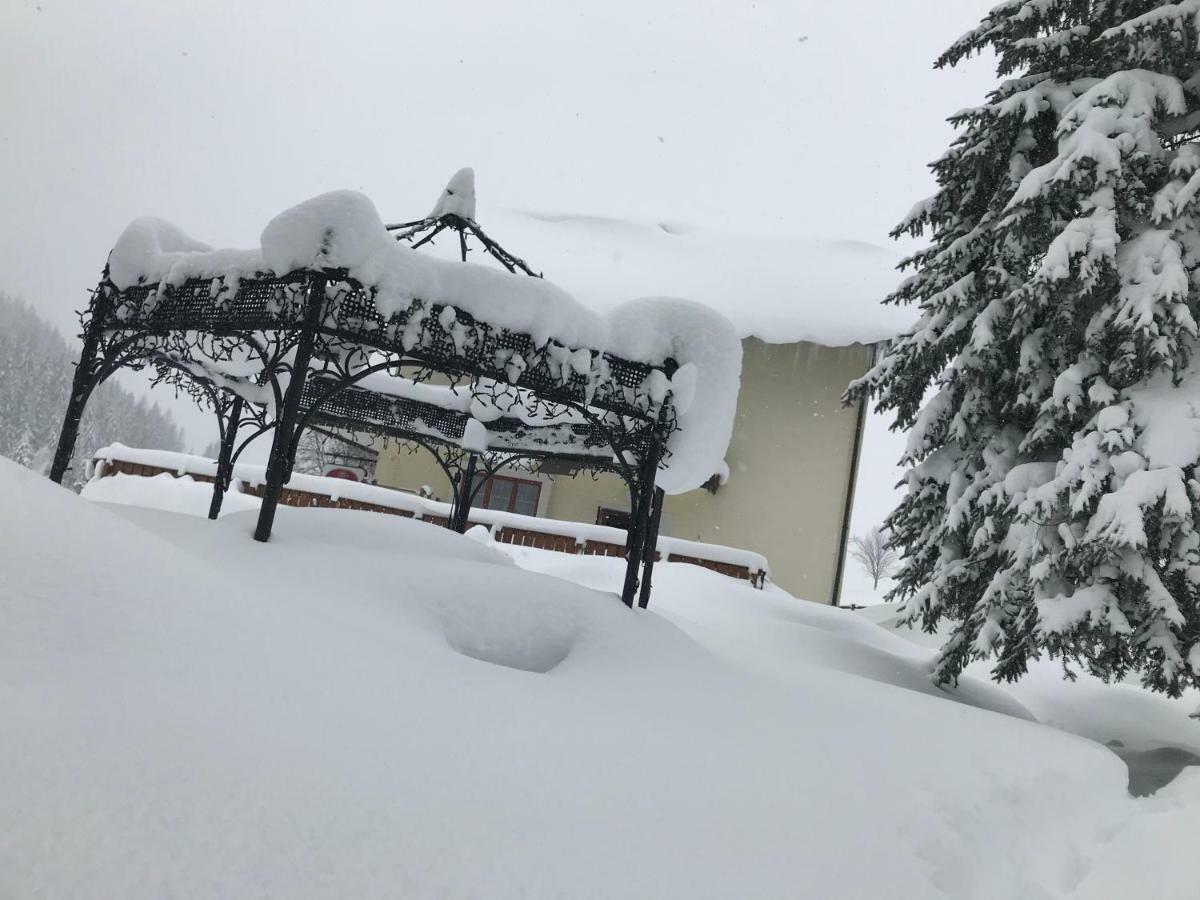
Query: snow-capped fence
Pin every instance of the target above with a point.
(507, 528)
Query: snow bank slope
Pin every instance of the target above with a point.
(791, 641)
(1123, 716)
(189, 712)
(772, 633)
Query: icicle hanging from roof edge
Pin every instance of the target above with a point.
(458, 197)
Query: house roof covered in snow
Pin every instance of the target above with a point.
(779, 289)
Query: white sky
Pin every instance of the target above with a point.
(786, 116)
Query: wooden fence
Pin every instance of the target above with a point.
(528, 536)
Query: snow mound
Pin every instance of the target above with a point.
(710, 358)
(774, 634)
(534, 634)
(147, 237)
(151, 249)
(458, 197)
(338, 230)
(1123, 717)
(164, 491)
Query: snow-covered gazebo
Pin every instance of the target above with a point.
(333, 320)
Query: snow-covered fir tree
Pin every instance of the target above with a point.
(1051, 384)
(36, 368)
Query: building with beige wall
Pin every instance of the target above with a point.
(791, 469)
(809, 314)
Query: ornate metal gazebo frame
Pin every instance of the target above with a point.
(306, 341)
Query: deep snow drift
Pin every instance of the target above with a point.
(368, 706)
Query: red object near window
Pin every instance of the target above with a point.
(341, 472)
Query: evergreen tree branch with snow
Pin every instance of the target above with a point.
(1050, 385)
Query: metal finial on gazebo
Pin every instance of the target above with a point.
(455, 211)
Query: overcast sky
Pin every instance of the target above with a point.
(784, 116)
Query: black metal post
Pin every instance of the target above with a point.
(633, 552)
(641, 498)
(630, 531)
(462, 502)
(81, 385)
(229, 432)
(641, 503)
(651, 548)
(278, 469)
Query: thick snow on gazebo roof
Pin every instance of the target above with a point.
(779, 289)
(342, 231)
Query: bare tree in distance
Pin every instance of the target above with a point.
(871, 551)
(320, 448)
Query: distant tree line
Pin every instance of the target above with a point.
(36, 368)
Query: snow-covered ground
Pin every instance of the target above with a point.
(370, 706)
